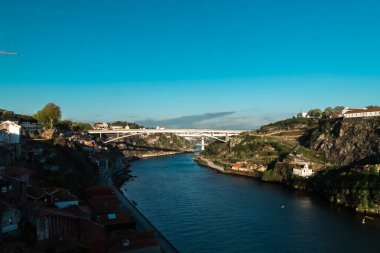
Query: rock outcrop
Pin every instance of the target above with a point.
(348, 141)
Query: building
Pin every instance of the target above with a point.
(59, 197)
(117, 127)
(99, 126)
(9, 217)
(13, 131)
(13, 190)
(30, 126)
(303, 171)
(302, 115)
(241, 166)
(55, 229)
(359, 113)
(261, 168)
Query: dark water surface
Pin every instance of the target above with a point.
(200, 210)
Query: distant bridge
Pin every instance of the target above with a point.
(221, 135)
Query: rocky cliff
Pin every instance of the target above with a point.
(347, 141)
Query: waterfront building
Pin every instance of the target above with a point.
(303, 171)
(359, 113)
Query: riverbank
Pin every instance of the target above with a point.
(165, 153)
(298, 184)
(143, 224)
(207, 163)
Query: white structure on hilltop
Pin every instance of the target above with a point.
(304, 171)
(302, 115)
(12, 130)
(359, 113)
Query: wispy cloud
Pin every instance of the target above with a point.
(191, 121)
(221, 120)
(4, 52)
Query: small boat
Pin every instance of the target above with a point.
(282, 206)
(134, 203)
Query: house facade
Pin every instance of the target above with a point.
(359, 113)
(54, 227)
(13, 131)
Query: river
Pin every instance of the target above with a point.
(201, 210)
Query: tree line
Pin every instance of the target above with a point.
(331, 112)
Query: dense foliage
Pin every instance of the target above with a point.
(49, 115)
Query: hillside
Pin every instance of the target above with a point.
(343, 154)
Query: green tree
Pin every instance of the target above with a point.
(315, 113)
(7, 115)
(338, 109)
(373, 107)
(328, 112)
(49, 115)
(80, 126)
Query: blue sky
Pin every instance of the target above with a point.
(250, 62)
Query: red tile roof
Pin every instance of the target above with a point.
(58, 194)
(362, 110)
(238, 165)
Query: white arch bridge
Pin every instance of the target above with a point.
(221, 135)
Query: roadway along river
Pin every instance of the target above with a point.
(200, 210)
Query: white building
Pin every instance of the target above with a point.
(303, 171)
(13, 131)
(359, 113)
(302, 115)
(117, 127)
(100, 126)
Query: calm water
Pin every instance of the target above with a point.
(200, 210)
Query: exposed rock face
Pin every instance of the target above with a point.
(348, 141)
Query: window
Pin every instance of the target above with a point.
(111, 216)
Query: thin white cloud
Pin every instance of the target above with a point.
(4, 52)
